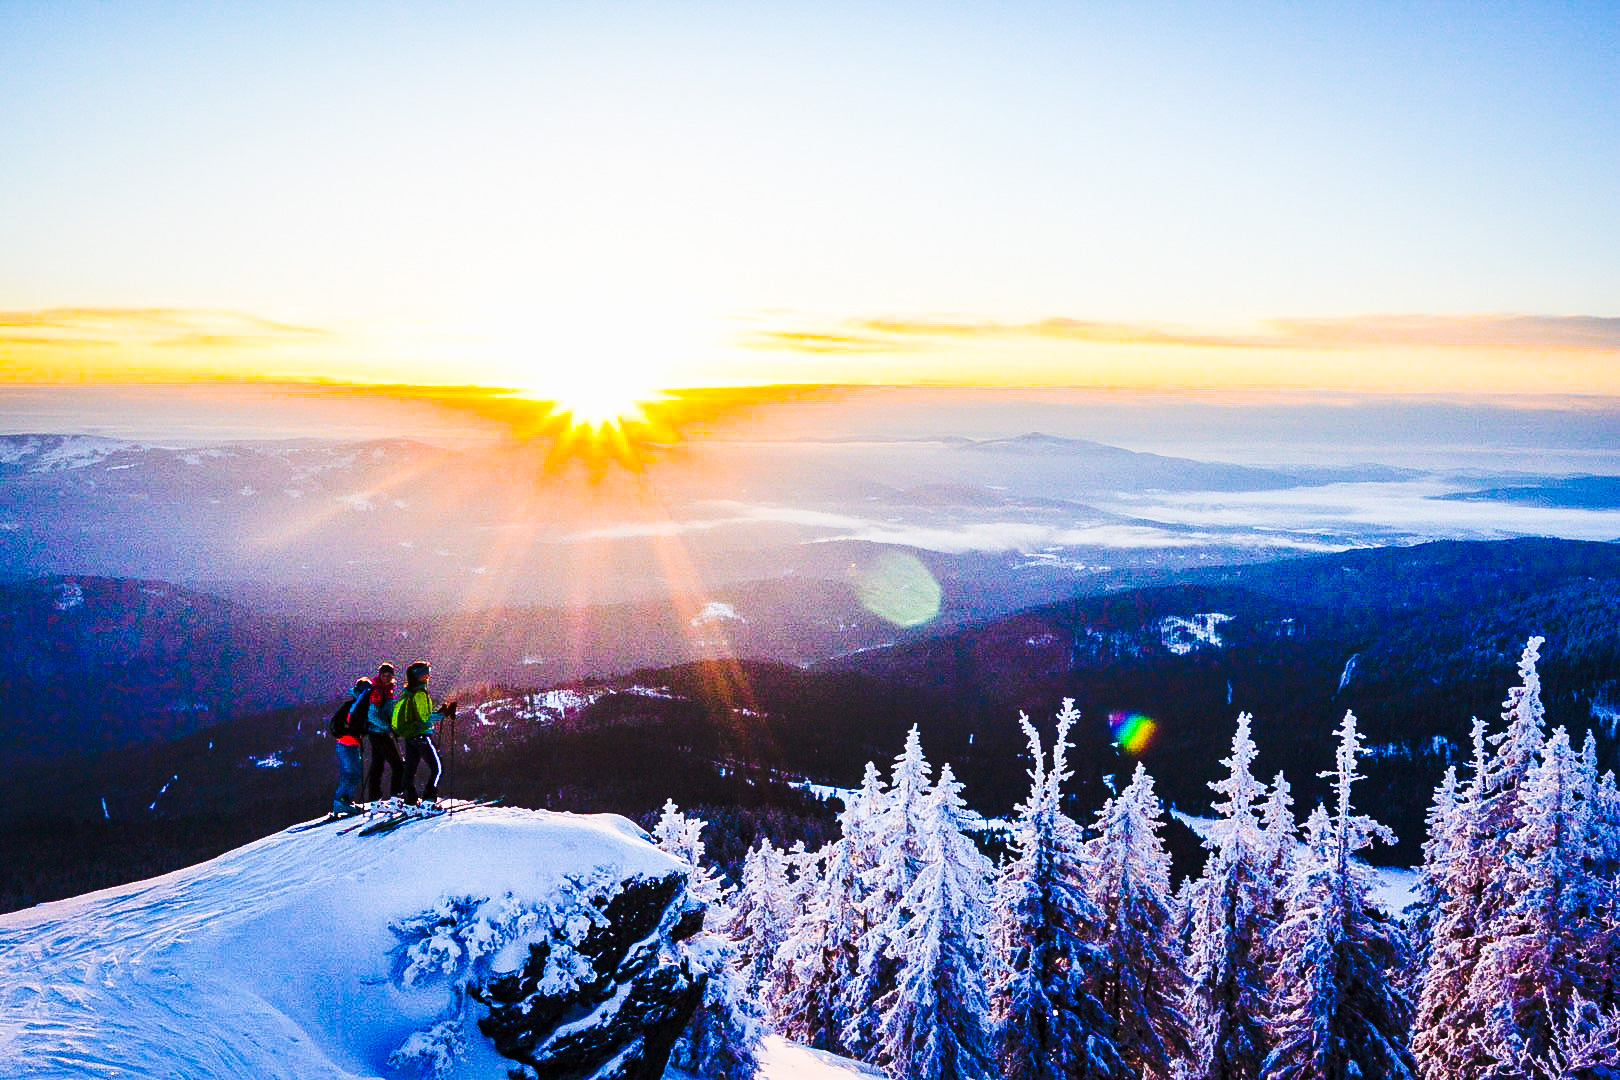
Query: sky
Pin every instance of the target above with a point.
(592, 201)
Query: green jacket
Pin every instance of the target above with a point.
(413, 713)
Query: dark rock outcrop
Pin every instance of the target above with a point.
(622, 1011)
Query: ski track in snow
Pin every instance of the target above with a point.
(270, 961)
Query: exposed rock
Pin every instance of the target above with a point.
(618, 1019)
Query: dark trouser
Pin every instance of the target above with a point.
(384, 751)
(348, 786)
(420, 748)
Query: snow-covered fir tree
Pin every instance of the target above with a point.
(682, 836)
(1141, 987)
(804, 875)
(1449, 1030)
(1282, 839)
(1546, 949)
(1045, 1023)
(1608, 873)
(933, 1021)
(1337, 1008)
(1231, 913)
(859, 823)
(761, 914)
(720, 1042)
(897, 846)
(821, 955)
(1467, 875)
(1441, 831)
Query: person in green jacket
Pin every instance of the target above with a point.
(414, 721)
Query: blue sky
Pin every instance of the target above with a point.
(509, 191)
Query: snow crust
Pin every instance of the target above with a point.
(272, 960)
(783, 1060)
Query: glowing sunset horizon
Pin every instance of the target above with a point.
(1417, 354)
(594, 207)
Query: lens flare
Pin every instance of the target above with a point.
(1132, 731)
(897, 587)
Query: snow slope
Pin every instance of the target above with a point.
(273, 960)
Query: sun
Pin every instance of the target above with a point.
(598, 407)
(594, 416)
(596, 397)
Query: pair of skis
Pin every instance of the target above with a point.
(399, 817)
(404, 817)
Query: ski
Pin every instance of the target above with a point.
(395, 821)
(371, 819)
(327, 820)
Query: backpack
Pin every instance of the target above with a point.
(338, 726)
(344, 722)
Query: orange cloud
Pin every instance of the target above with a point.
(827, 342)
(1105, 333)
(170, 327)
(1500, 331)
(1505, 331)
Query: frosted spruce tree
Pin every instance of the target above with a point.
(682, 837)
(721, 1040)
(1141, 987)
(1466, 880)
(1549, 948)
(820, 957)
(1045, 1024)
(933, 1021)
(1440, 827)
(897, 845)
(1282, 832)
(820, 960)
(1608, 872)
(1337, 1009)
(761, 914)
(1231, 914)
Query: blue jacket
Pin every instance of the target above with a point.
(379, 712)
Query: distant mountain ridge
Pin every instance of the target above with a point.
(1415, 640)
(327, 528)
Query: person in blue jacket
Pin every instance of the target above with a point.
(379, 714)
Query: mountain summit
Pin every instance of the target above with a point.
(452, 947)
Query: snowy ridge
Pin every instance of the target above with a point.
(1182, 635)
(50, 453)
(273, 960)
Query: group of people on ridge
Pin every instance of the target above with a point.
(378, 715)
